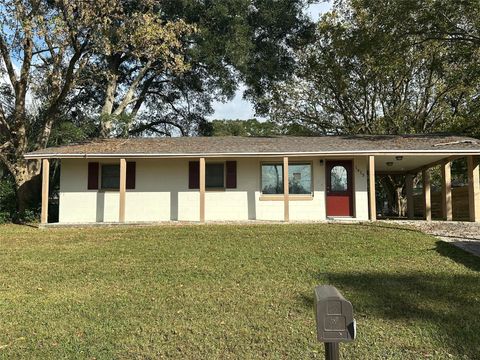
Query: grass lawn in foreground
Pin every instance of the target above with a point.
(222, 291)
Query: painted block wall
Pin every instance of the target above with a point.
(162, 194)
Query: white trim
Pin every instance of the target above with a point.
(254, 154)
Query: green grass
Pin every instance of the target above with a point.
(221, 291)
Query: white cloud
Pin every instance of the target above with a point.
(238, 108)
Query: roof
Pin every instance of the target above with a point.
(264, 146)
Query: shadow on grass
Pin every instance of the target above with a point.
(388, 226)
(460, 256)
(448, 302)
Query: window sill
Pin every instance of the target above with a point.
(290, 198)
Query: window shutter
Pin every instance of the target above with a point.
(131, 170)
(231, 174)
(93, 175)
(194, 175)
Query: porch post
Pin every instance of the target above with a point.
(371, 188)
(446, 190)
(427, 200)
(45, 186)
(202, 190)
(473, 188)
(286, 207)
(409, 185)
(123, 187)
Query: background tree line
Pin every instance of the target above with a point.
(76, 70)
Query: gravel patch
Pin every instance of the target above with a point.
(465, 235)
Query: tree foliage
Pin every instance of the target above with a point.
(386, 67)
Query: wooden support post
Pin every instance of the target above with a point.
(202, 190)
(45, 190)
(446, 191)
(371, 188)
(427, 199)
(286, 206)
(123, 189)
(473, 188)
(409, 187)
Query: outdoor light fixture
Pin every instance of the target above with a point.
(321, 162)
(389, 163)
(399, 158)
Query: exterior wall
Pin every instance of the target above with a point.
(162, 194)
(360, 165)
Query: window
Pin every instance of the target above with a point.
(338, 178)
(299, 179)
(111, 177)
(272, 179)
(214, 175)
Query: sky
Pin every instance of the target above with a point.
(237, 108)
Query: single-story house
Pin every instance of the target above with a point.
(247, 178)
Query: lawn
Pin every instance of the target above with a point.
(222, 291)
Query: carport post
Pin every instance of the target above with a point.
(202, 189)
(473, 188)
(371, 187)
(45, 190)
(427, 200)
(409, 186)
(123, 189)
(446, 190)
(286, 206)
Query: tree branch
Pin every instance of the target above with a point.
(127, 99)
(151, 126)
(8, 61)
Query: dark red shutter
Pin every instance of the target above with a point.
(194, 175)
(231, 174)
(131, 169)
(93, 175)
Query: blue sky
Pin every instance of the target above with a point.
(238, 108)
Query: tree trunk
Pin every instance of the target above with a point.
(28, 185)
(113, 63)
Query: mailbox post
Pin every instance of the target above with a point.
(334, 317)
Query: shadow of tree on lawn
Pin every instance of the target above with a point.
(458, 255)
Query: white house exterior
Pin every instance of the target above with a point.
(162, 193)
(241, 179)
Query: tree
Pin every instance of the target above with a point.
(38, 40)
(364, 77)
(251, 127)
(224, 43)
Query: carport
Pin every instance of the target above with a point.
(411, 165)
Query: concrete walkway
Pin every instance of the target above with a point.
(465, 235)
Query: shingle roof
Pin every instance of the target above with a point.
(231, 145)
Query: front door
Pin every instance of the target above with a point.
(339, 188)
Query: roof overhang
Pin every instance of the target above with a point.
(446, 153)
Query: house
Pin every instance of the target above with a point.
(242, 178)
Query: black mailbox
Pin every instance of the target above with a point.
(334, 315)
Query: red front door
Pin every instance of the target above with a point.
(339, 188)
